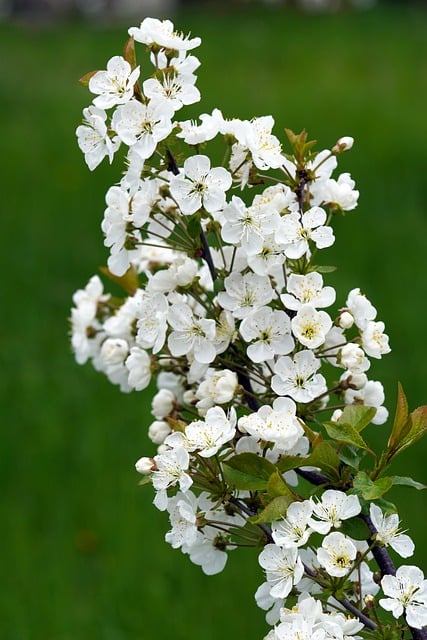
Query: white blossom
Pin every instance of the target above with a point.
(307, 289)
(336, 554)
(245, 293)
(297, 230)
(335, 506)
(93, 138)
(162, 33)
(283, 568)
(198, 185)
(115, 85)
(310, 326)
(296, 377)
(269, 332)
(388, 532)
(191, 334)
(407, 592)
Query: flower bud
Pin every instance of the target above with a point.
(189, 396)
(114, 351)
(158, 431)
(357, 380)
(343, 144)
(145, 466)
(346, 320)
(336, 415)
(162, 403)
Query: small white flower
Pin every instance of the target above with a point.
(178, 90)
(208, 437)
(407, 592)
(334, 507)
(388, 532)
(162, 33)
(163, 403)
(310, 326)
(336, 554)
(244, 293)
(295, 529)
(264, 147)
(218, 387)
(191, 334)
(296, 377)
(138, 364)
(142, 126)
(296, 231)
(158, 431)
(352, 357)
(93, 138)
(269, 332)
(374, 340)
(199, 185)
(283, 568)
(307, 289)
(361, 309)
(182, 510)
(171, 469)
(115, 85)
(277, 424)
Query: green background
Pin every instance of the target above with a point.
(83, 556)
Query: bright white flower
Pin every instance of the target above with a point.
(310, 326)
(407, 592)
(182, 510)
(243, 294)
(86, 329)
(269, 331)
(269, 258)
(352, 357)
(296, 377)
(298, 628)
(218, 387)
(171, 469)
(264, 147)
(191, 334)
(138, 364)
(360, 307)
(277, 424)
(374, 340)
(193, 133)
(208, 437)
(335, 506)
(162, 33)
(115, 227)
(296, 231)
(115, 85)
(340, 192)
(295, 529)
(242, 225)
(307, 289)
(93, 138)
(266, 602)
(388, 532)
(199, 185)
(337, 554)
(142, 126)
(152, 324)
(177, 90)
(283, 569)
(208, 551)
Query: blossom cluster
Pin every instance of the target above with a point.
(226, 308)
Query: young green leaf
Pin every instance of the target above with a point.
(275, 510)
(369, 489)
(247, 471)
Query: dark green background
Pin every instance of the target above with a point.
(83, 551)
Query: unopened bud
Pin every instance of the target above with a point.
(357, 380)
(145, 466)
(336, 415)
(346, 320)
(343, 144)
(369, 601)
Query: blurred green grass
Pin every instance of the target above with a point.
(83, 555)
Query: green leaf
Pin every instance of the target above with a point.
(355, 528)
(194, 227)
(145, 480)
(276, 486)
(408, 482)
(401, 424)
(357, 415)
(369, 489)
(343, 432)
(417, 428)
(275, 510)
(128, 282)
(325, 268)
(326, 458)
(248, 471)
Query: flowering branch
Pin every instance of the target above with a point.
(225, 305)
